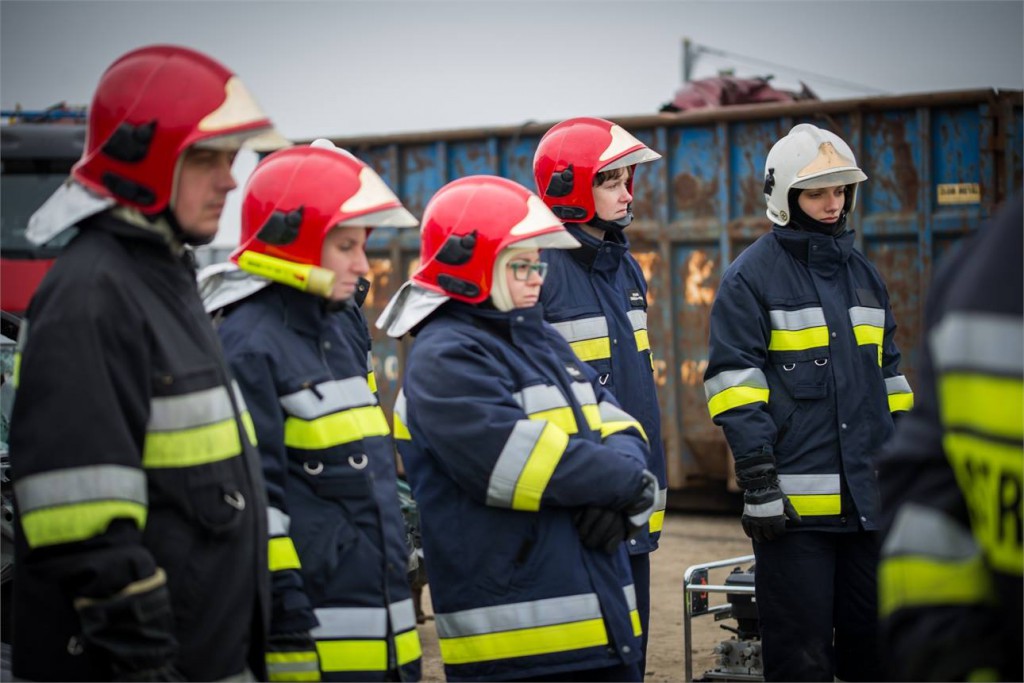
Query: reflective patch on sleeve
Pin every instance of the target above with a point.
(734, 388)
(525, 465)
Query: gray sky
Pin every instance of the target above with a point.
(358, 67)
(347, 67)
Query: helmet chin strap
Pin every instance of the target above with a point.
(613, 226)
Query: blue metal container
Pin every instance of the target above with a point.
(937, 165)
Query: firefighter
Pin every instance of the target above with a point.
(950, 576)
(300, 350)
(140, 508)
(596, 296)
(803, 377)
(528, 475)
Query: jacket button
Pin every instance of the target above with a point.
(843, 425)
(632, 541)
(833, 335)
(327, 345)
(625, 649)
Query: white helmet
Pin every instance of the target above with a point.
(808, 157)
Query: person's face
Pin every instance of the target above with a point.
(524, 277)
(823, 204)
(344, 254)
(611, 198)
(203, 184)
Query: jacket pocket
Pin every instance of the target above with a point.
(216, 500)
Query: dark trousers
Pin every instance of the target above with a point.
(818, 606)
(641, 566)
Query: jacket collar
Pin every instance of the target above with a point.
(302, 312)
(524, 327)
(823, 254)
(598, 254)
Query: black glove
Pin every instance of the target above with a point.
(765, 507)
(134, 629)
(292, 657)
(600, 528)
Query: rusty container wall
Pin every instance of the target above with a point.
(937, 165)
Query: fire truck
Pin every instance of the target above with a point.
(37, 151)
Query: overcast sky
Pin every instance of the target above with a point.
(346, 67)
(339, 68)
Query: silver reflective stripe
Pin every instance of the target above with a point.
(278, 522)
(748, 377)
(797, 320)
(638, 319)
(772, 509)
(897, 385)
(399, 408)
(350, 622)
(582, 329)
(584, 393)
(809, 484)
(403, 615)
(919, 530)
(514, 456)
(520, 615)
(81, 485)
(539, 398)
(239, 399)
(369, 362)
(662, 501)
(986, 342)
(611, 413)
(861, 315)
(630, 592)
(334, 396)
(176, 413)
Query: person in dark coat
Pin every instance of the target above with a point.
(140, 505)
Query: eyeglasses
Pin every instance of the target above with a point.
(521, 270)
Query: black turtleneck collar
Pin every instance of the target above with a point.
(598, 254)
(823, 254)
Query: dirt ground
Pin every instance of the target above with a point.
(685, 540)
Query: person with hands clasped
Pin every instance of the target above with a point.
(528, 475)
(803, 377)
(296, 342)
(140, 545)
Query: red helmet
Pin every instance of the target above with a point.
(295, 196)
(572, 152)
(149, 107)
(468, 222)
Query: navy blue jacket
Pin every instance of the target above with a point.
(803, 361)
(596, 297)
(337, 536)
(503, 433)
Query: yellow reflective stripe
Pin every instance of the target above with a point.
(250, 428)
(281, 554)
(593, 415)
(643, 342)
(190, 447)
(371, 380)
(560, 417)
(657, 520)
(335, 429)
(352, 655)
(817, 505)
(910, 581)
(293, 666)
(539, 467)
(798, 340)
(407, 647)
(900, 402)
(735, 397)
(592, 349)
(16, 373)
(989, 474)
(993, 405)
(634, 618)
(868, 334)
(609, 428)
(77, 522)
(524, 642)
(401, 431)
